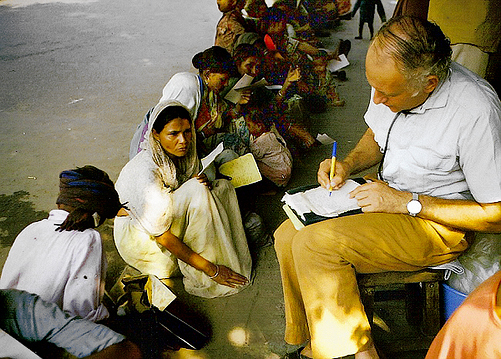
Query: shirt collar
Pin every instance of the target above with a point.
(58, 215)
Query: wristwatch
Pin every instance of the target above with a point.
(414, 206)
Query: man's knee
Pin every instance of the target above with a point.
(283, 236)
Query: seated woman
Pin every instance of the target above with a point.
(273, 108)
(215, 121)
(178, 220)
(311, 60)
(61, 258)
(258, 119)
(199, 93)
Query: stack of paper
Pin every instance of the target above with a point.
(318, 201)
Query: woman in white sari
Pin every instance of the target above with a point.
(176, 220)
(211, 114)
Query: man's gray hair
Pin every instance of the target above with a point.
(418, 47)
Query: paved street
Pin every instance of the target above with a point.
(76, 79)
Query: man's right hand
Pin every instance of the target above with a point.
(323, 174)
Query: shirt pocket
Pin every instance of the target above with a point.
(440, 163)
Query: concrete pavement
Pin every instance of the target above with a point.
(77, 77)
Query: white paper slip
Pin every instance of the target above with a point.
(295, 221)
(252, 86)
(207, 160)
(158, 293)
(318, 201)
(274, 87)
(335, 65)
(324, 139)
(233, 95)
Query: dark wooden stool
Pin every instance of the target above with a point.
(422, 297)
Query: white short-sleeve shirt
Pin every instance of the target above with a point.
(67, 268)
(450, 146)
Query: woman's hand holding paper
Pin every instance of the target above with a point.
(202, 178)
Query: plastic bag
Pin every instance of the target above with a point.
(480, 262)
(255, 231)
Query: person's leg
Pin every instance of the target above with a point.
(296, 327)
(371, 27)
(360, 30)
(30, 319)
(210, 224)
(326, 256)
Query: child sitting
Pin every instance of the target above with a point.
(298, 25)
(320, 86)
(311, 60)
(231, 25)
(274, 109)
(274, 27)
(256, 126)
(61, 258)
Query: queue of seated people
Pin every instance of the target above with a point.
(172, 219)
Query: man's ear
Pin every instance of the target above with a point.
(431, 83)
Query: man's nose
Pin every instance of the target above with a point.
(379, 98)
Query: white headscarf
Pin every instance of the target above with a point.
(173, 174)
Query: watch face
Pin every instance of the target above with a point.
(414, 207)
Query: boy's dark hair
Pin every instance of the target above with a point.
(91, 195)
(244, 51)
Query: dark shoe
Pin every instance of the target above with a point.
(341, 75)
(322, 33)
(296, 354)
(358, 38)
(345, 47)
(345, 16)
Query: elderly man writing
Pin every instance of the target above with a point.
(435, 131)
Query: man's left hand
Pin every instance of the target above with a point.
(377, 196)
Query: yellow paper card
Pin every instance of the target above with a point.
(242, 170)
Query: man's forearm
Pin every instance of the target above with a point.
(365, 154)
(462, 214)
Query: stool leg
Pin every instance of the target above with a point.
(413, 304)
(367, 297)
(431, 308)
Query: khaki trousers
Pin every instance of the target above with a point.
(318, 265)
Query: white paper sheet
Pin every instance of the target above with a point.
(318, 201)
(335, 65)
(207, 160)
